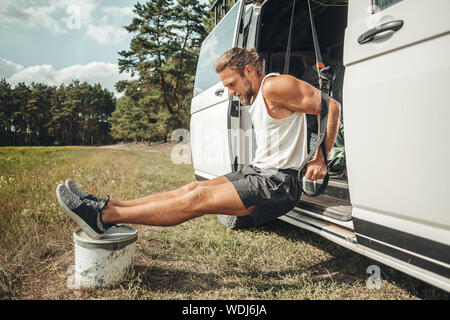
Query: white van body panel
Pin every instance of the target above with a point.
(209, 138)
(423, 20)
(396, 114)
(208, 99)
(210, 117)
(349, 243)
(396, 138)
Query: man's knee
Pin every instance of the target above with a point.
(207, 183)
(203, 200)
(189, 187)
(206, 199)
(198, 195)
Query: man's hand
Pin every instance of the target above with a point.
(316, 168)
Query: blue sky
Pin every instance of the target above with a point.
(54, 41)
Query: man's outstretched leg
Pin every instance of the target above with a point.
(74, 188)
(213, 199)
(169, 194)
(216, 199)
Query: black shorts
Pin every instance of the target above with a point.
(274, 192)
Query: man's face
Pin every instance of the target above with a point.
(237, 85)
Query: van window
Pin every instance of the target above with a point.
(247, 20)
(217, 42)
(385, 3)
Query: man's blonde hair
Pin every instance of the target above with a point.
(237, 58)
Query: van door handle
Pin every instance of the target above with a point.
(388, 26)
(219, 92)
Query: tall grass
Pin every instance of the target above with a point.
(35, 234)
(196, 260)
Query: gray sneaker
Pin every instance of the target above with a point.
(87, 197)
(87, 217)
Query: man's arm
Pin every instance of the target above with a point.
(286, 91)
(299, 96)
(316, 168)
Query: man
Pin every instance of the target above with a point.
(269, 187)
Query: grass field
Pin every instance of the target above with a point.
(196, 260)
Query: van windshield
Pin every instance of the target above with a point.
(217, 42)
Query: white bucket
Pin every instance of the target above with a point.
(104, 262)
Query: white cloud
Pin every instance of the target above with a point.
(106, 34)
(107, 74)
(80, 10)
(52, 15)
(43, 74)
(61, 16)
(8, 68)
(30, 15)
(118, 11)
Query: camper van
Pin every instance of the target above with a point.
(388, 189)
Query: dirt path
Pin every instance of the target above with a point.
(165, 148)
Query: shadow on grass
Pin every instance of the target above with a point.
(345, 268)
(191, 282)
(349, 266)
(175, 280)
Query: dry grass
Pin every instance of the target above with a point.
(196, 260)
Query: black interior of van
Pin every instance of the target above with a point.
(272, 33)
(330, 20)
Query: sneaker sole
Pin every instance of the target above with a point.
(83, 225)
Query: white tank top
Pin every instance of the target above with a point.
(280, 143)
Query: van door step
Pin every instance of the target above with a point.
(320, 226)
(337, 188)
(332, 207)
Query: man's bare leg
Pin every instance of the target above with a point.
(217, 199)
(169, 194)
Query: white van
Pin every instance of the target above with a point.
(390, 202)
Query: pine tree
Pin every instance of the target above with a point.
(44, 115)
(19, 97)
(56, 122)
(5, 113)
(37, 110)
(163, 54)
(209, 19)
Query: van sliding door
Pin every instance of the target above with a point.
(211, 105)
(396, 128)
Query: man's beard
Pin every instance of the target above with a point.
(246, 97)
